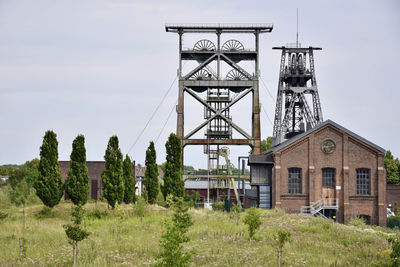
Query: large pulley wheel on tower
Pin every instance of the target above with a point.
(201, 75)
(232, 45)
(235, 75)
(204, 45)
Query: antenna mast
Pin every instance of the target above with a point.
(297, 29)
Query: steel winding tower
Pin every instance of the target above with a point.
(219, 87)
(296, 80)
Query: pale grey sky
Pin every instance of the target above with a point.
(101, 67)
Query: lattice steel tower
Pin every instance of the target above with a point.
(296, 81)
(219, 87)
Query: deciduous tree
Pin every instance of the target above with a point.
(392, 168)
(112, 176)
(77, 184)
(49, 187)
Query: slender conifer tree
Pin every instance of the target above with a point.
(112, 176)
(129, 180)
(151, 174)
(173, 182)
(49, 187)
(77, 184)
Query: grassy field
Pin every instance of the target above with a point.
(216, 239)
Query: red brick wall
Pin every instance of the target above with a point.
(393, 195)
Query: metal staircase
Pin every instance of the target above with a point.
(317, 208)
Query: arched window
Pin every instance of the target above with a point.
(294, 182)
(328, 177)
(363, 182)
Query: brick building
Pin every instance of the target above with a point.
(393, 196)
(327, 171)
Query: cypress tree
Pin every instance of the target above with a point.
(129, 180)
(112, 176)
(77, 184)
(49, 187)
(151, 174)
(173, 182)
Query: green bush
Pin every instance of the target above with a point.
(44, 213)
(253, 221)
(356, 221)
(5, 196)
(395, 255)
(161, 200)
(97, 214)
(3, 215)
(393, 222)
(218, 206)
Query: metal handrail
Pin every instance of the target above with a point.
(315, 207)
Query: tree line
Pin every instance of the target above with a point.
(118, 180)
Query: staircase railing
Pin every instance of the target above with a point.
(316, 207)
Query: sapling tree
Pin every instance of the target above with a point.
(75, 232)
(19, 198)
(175, 237)
(253, 221)
(139, 209)
(281, 237)
(235, 212)
(49, 187)
(121, 216)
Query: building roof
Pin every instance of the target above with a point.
(330, 122)
(261, 158)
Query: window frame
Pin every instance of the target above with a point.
(327, 181)
(295, 187)
(363, 187)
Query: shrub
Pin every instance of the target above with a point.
(253, 221)
(160, 199)
(5, 196)
(236, 209)
(356, 221)
(393, 222)
(46, 212)
(395, 255)
(139, 209)
(97, 214)
(3, 215)
(218, 206)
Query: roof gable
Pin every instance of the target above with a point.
(327, 122)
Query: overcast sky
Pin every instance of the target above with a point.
(101, 68)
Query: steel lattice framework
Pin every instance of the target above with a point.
(296, 80)
(219, 86)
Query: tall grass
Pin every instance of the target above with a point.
(215, 237)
